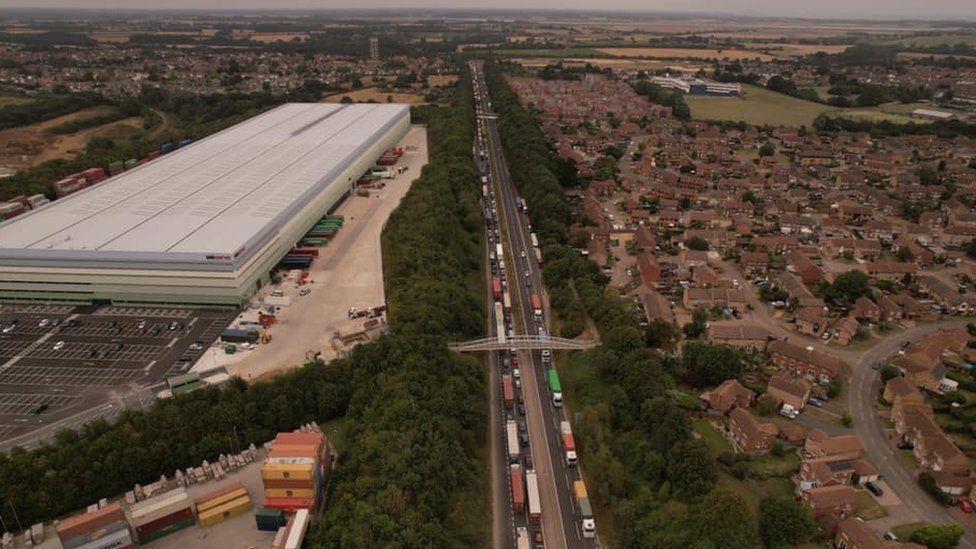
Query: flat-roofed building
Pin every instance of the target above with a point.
(204, 224)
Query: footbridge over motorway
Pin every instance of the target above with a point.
(526, 342)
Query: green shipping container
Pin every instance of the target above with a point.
(130, 163)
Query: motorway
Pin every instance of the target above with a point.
(560, 524)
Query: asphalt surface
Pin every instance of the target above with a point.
(62, 366)
(560, 524)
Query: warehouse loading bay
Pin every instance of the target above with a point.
(347, 274)
(62, 365)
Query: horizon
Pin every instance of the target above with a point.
(951, 11)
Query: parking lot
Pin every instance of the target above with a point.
(57, 362)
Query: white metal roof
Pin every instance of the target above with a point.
(213, 196)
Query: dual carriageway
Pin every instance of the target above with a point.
(538, 489)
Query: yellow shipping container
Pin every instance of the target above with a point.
(223, 512)
(303, 493)
(220, 500)
(580, 488)
(287, 471)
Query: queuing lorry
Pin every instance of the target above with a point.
(532, 490)
(555, 388)
(535, 240)
(507, 301)
(537, 306)
(496, 288)
(585, 510)
(569, 443)
(499, 251)
(518, 489)
(522, 539)
(500, 322)
(511, 428)
(508, 391)
(538, 257)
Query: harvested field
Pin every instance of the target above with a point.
(367, 94)
(13, 100)
(270, 37)
(437, 80)
(795, 50)
(686, 53)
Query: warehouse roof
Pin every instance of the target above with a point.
(218, 196)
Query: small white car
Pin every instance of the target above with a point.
(43, 323)
(58, 346)
(305, 291)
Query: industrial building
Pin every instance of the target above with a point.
(204, 224)
(697, 86)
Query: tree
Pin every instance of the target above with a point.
(970, 248)
(698, 325)
(848, 287)
(904, 254)
(929, 484)
(889, 372)
(833, 388)
(938, 537)
(665, 425)
(691, 469)
(783, 522)
(661, 334)
(707, 364)
(766, 404)
(697, 243)
(725, 521)
(767, 149)
(846, 419)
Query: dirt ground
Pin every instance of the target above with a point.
(28, 146)
(347, 273)
(682, 53)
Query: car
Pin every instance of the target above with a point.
(515, 361)
(528, 460)
(41, 408)
(516, 373)
(518, 383)
(521, 409)
(305, 291)
(58, 346)
(119, 346)
(815, 402)
(43, 323)
(874, 489)
(528, 274)
(876, 366)
(890, 536)
(92, 353)
(524, 439)
(522, 427)
(172, 326)
(528, 282)
(965, 505)
(196, 346)
(906, 446)
(246, 345)
(537, 538)
(521, 399)
(278, 293)
(523, 253)
(8, 329)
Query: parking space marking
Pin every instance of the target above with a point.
(67, 377)
(24, 403)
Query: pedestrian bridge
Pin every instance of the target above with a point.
(522, 342)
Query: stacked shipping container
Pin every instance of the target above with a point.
(161, 515)
(296, 471)
(100, 529)
(292, 536)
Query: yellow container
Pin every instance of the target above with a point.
(223, 512)
(288, 471)
(580, 488)
(302, 493)
(220, 500)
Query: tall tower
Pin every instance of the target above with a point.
(374, 48)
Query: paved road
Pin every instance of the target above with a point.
(559, 521)
(861, 396)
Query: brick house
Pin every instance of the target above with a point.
(730, 394)
(804, 362)
(830, 501)
(788, 390)
(749, 434)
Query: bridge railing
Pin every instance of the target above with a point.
(523, 342)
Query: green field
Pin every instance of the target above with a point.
(757, 106)
(552, 52)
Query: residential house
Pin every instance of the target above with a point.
(715, 298)
(845, 330)
(730, 394)
(754, 263)
(742, 335)
(865, 310)
(805, 362)
(788, 390)
(830, 501)
(854, 533)
(749, 434)
(819, 444)
(947, 296)
(656, 306)
(811, 321)
(649, 269)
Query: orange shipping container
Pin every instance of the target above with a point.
(288, 471)
(88, 522)
(288, 484)
(301, 493)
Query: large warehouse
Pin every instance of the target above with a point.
(204, 224)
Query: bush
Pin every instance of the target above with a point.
(931, 487)
(938, 537)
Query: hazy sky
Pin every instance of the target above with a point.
(873, 9)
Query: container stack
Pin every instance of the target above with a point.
(115, 168)
(389, 157)
(292, 536)
(11, 209)
(100, 529)
(269, 520)
(130, 163)
(162, 515)
(37, 200)
(94, 175)
(223, 504)
(295, 471)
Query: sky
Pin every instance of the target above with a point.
(867, 9)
